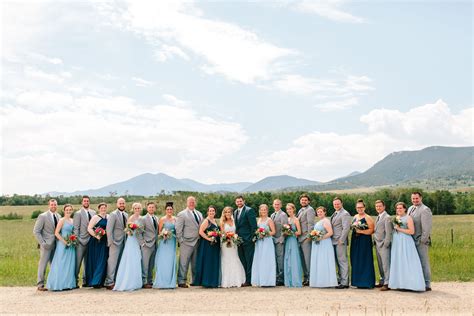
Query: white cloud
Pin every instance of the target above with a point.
(330, 9)
(140, 82)
(178, 26)
(338, 105)
(42, 58)
(325, 156)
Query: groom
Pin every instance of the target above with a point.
(246, 225)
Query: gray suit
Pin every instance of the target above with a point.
(147, 240)
(116, 240)
(80, 222)
(383, 238)
(44, 234)
(422, 218)
(279, 218)
(307, 217)
(341, 224)
(187, 233)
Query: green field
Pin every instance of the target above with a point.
(450, 261)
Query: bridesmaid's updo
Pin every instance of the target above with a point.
(323, 209)
(361, 202)
(66, 206)
(402, 204)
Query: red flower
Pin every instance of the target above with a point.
(261, 229)
(72, 237)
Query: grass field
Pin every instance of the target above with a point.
(450, 261)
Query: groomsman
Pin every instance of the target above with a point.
(383, 238)
(341, 224)
(81, 221)
(44, 229)
(246, 225)
(187, 233)
(306, 216)
(280, 218)
(116, 223)
(147, 240)
(422, 218)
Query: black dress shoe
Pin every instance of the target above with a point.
(379, 285)
(184, 286)
(340, 286)
(428, 289)
(280, 284)
(246, 284)
(306, 283)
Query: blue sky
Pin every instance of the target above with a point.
(97, 92)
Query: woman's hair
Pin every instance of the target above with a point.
(292, 206)
(135, 205)
(402, 204)
(361, 201)
(227, 208)
(262, 206)
(67, 205)
(322, 208)
(209, 208)
(101, 204)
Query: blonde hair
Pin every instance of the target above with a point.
(262, 206)
(223, 219)
(135, 205)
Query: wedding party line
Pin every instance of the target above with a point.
(286, 247)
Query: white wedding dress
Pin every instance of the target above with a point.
(233, 274)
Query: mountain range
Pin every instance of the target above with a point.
(430, 164)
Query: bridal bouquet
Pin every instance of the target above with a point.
(230, 239)
(396, 221)
(316, 235)
(71, 241)
(357, 224)
(165, 235)
(213, 234)
(99, 232)
(287, 231)
(131, 228)
(261, 233)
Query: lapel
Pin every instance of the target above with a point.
(50, 215)
(191, 217)
(242, 213)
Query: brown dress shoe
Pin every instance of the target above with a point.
(110, 287)
(428, 289)
(379, 285)
(147, 286)
(246, 284)
(385, 288)
(42, 289)
(184, 286)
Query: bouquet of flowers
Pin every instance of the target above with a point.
(316, 235)
(358, 224)
(99, 232)
(131, 228)
(166, 234)
(287, 231)
(213, 234)
(261, 233)
(231, 238)
(396, 221)
(71, 241)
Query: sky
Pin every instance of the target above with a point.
(96, 92)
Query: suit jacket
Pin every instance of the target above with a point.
(383, 230)
(149, 234)
(279, 219)
(80, 222)
(422, 218)
(246, 224)
(341, 224)
(115, 228)
(44, 230)
(307, 218)
(187, 229)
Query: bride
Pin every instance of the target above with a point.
(233, 274)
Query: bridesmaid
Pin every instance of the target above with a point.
(293, 272)
(129, 273)
(62, 274)
(362, 258)
(97, 250)
(405, 265)
(323, 262)
(264, 264)
(208, 261)
(165, 260)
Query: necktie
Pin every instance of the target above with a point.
(195, 217)
(412, 210)
(89, 215)
(273, 216)
(377, 220)
(55, 220)
(154, 221)
(124, 220)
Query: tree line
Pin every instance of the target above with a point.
(441, 202)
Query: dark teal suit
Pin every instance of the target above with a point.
(246, 225)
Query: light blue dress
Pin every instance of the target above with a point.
(323, 264)
(63, 268)
(405, 266)
(129, 273)
(165, 261)
(264, 264)
(292, 270)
